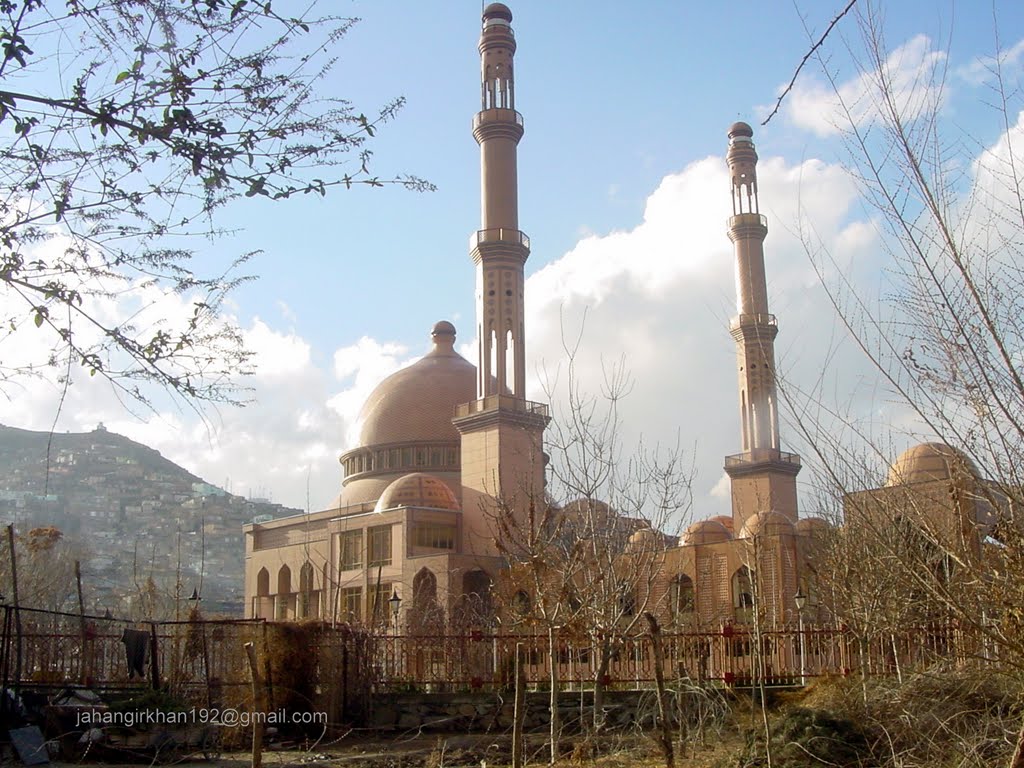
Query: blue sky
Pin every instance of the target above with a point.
(622, 191)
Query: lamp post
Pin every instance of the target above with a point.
(396, 605)
(801, 601)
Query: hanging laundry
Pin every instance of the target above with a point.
(135, 643)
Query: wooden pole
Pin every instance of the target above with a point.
(17, 613)
(154, 658)
(555, 725)
(257, 708)
(83, 672)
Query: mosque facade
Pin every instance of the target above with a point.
(443, 442)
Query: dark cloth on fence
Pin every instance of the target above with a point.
(135, 643)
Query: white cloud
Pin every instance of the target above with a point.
(911, 73)
(363, 365)
(985, 69)
(275, 354)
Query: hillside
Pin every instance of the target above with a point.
(129, 513)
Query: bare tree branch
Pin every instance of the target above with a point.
(806, 58)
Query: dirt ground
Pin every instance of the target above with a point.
(412, 751)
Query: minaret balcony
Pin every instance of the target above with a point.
(499, 235)
(759, 459)
(748, 219)
(497, 115)
(502, 402)
(492, 410)
(753, 320)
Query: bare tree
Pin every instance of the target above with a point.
(949, 345)
(541, 584)
(622, 511)
(131, 124)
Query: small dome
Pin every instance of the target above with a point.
(930, 461)
(726, 521)
(586, 509)
(645, 540)
(740, 129)
(767, 523)
(706, 532)
(417, 403)
(497, 11)
(417, 490)
(812, 526)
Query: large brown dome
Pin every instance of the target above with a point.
(930, 461)
(417, 403)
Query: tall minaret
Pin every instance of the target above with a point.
(502, 433)
(763, 476)
(498, 248)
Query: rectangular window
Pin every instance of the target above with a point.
(434, 536)
(378, 611)
(351, 603)
(351, 550)
(379, 546)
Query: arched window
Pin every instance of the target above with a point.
(521, 603)
(284, 580)
(426, 611)
(306, 577)
(681, 600)
(743, 588)
(263, 582)
(475, 605)
(627, 599)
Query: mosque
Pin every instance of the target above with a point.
(442, 441)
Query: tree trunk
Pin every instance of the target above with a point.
(605, 650)
(517, 710)
(556, 722)
(665, 737)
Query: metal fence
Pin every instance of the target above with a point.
(50, 649)
(203, 660)
(731, 655)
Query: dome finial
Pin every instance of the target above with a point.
(443, 335)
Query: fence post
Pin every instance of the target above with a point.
(17, 613)
(257, 706)
(154, 658)
(83, 672)
(517, 709)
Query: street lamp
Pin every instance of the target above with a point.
(396, 605)
(801, 602)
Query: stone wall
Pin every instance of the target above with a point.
(482, 712)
